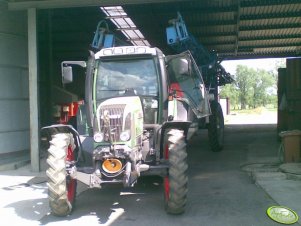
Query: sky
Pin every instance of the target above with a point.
(266, 64)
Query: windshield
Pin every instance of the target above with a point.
(116, 78)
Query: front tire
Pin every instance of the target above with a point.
(216, 127)
(61, 187)
(175, 183)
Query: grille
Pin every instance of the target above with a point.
(114, 128)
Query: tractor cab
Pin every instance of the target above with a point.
(124, 77)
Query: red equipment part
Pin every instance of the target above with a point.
(67, 111)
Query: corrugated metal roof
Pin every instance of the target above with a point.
(236, 29)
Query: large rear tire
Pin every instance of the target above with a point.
(216, 127)
(61, 187)
(175, 183)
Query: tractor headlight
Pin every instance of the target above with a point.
(125, 135)
(98, 137)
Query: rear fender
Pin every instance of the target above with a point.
(58, 128)
(180, 125)
(48, 131)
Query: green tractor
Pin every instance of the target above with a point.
(140, 106)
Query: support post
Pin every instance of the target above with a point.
(33, 90)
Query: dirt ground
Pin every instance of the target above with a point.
(261, 117)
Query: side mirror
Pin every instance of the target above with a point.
(67, 75)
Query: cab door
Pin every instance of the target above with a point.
(186, 81)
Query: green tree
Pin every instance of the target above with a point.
(266, 86)
(231, 92)
(255, 84)
(253, 88)
(263, 83)
(244, 79)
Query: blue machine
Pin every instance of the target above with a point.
(102, 37)
(180, 40)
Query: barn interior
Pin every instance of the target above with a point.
(234, 29)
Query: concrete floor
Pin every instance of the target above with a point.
(231, 188)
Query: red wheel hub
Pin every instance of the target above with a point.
(71, 189)
(70, 154)
(71, 183)
(166, 152)
(166, 188)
